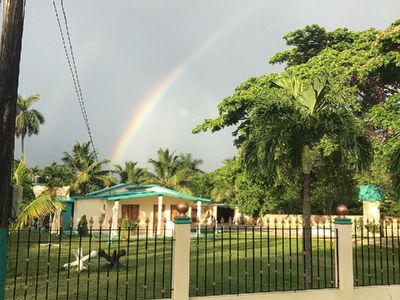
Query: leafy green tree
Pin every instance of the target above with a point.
(131, 173)
(295, 128)
(309, 42)
(88, 173)
(368, 63)
(223, 182)
(27, 121)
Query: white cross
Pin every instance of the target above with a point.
(80, 259)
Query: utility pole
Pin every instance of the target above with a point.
(10, 56)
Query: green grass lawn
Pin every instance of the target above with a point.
(144, 275)
(219, 264)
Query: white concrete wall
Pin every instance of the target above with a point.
(361, 293)
(91, 208)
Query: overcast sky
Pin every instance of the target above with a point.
(125, 49)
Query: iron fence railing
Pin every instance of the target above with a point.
(129, 262)
(236, 259)
(376, 249)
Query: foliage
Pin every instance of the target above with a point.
(131, 173)
(88, 173)
(27, 121)
(175, 171)
(365, 66)
(56, 175)
(83, 229)
(45, 204)
(223, 186)
(23, 177)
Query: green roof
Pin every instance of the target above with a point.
(132, 190)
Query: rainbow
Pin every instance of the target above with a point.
(160, 89)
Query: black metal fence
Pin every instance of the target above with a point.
(127, 263)
(231, 259)
(376, 248)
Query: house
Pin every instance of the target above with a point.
(138, 203)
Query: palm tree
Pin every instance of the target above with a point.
(174, 171)
(22, 178)
(87, 172)
(186, 161)
(46, 204)
(56, 175)
(131, 173)
(299, 129)
(27, 121)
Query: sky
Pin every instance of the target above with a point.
(152, 70)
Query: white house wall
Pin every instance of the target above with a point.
(91, 208)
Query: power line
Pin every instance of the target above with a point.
(73, 69)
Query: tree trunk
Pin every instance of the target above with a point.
(22, 147)
(307, 230)
(10, 55)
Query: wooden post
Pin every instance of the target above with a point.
(10, 55)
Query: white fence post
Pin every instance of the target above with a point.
(181, 255)
(344, 248)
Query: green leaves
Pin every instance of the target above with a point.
(88, 173)
(44, 205)
(27, 121)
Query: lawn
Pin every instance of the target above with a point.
(221, 263)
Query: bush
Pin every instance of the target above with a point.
(83, 229)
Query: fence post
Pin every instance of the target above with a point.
(3, 260)
(344, 248)
(181, 255)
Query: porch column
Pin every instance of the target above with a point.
(198, 216)
(115, 216)
(215, 212)
(159, 219)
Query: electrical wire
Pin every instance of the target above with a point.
(73, 69)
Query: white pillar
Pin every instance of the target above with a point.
(344, 248)
(115, 216)
(199, 216)
(159, 219)
(215, 212)
(190, 211)
(181, 259)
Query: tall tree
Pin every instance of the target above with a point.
(293, 125)
(88, 173)
(299, 133)
(27, 121)
(10, 55)
(131, 173)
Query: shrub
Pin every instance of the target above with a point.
(83, 229)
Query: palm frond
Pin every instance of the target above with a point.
(44, 205)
